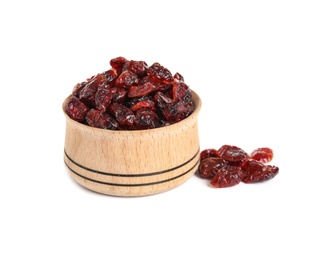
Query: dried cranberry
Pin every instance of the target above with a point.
(178, 76)
(137, 67)
(227, 176)
(111, 76)
(122, 114)
(75, 109)
(118, 63)
(159, 73)
(118, 94)
(77, 88)
(103, 97)
(257, 171)
(161, 100)
(209, 167)
(96, 118)
(126, 79)
(129, 87)
(87, 94)
(208, 153)
(146, 119)
(143, 90)
(263, 154)
(232, 153)
(181, 92)
(143, 104)
(177, 111)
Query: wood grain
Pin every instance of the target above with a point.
(133, 163)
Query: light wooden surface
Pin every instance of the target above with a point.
(133, 163)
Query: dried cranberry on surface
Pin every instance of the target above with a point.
(238, 166)
(227, 176)
(210, 166)
(232, 153)
(208, 153)
(263, 154)
(257, 171)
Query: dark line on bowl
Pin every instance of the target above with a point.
(131, 175)
(132, 185)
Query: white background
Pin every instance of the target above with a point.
(262, 70)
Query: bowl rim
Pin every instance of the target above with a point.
(197, 106)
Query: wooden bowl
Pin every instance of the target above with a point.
(136, 162)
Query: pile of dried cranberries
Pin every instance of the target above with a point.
(130, 96)
(230, 165)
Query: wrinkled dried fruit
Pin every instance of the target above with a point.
(210, 166)
(181, 92)
(134, 95)
(232, 153)
(257, 171)
(75, 109)
(227, 176)
(100, 119)
(208, 153)
(146, 119)
(237, 166)
(103, 97)
(122, 114)
(159, 73)
(263, 154)
(142, 90)
(126, 79)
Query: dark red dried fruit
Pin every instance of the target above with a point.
(118, 64)
(227, 176)
(146, 119)
(232, 153)
(87, 94)
(177, 111)
(96, 118)
(143, 90)
(135, 95)
(111, 76)
(137, 67)
(76, 90)
(210, 166)
(160, 73)
(257, 171)
(118, 94)
(238, 166)
(208, 153)
(75, 109)
(181, 92)
(126, 79)
(178, 76)
(161, 100)
(149, 104)
(263, 154)
(122, 114)
(103, 97)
